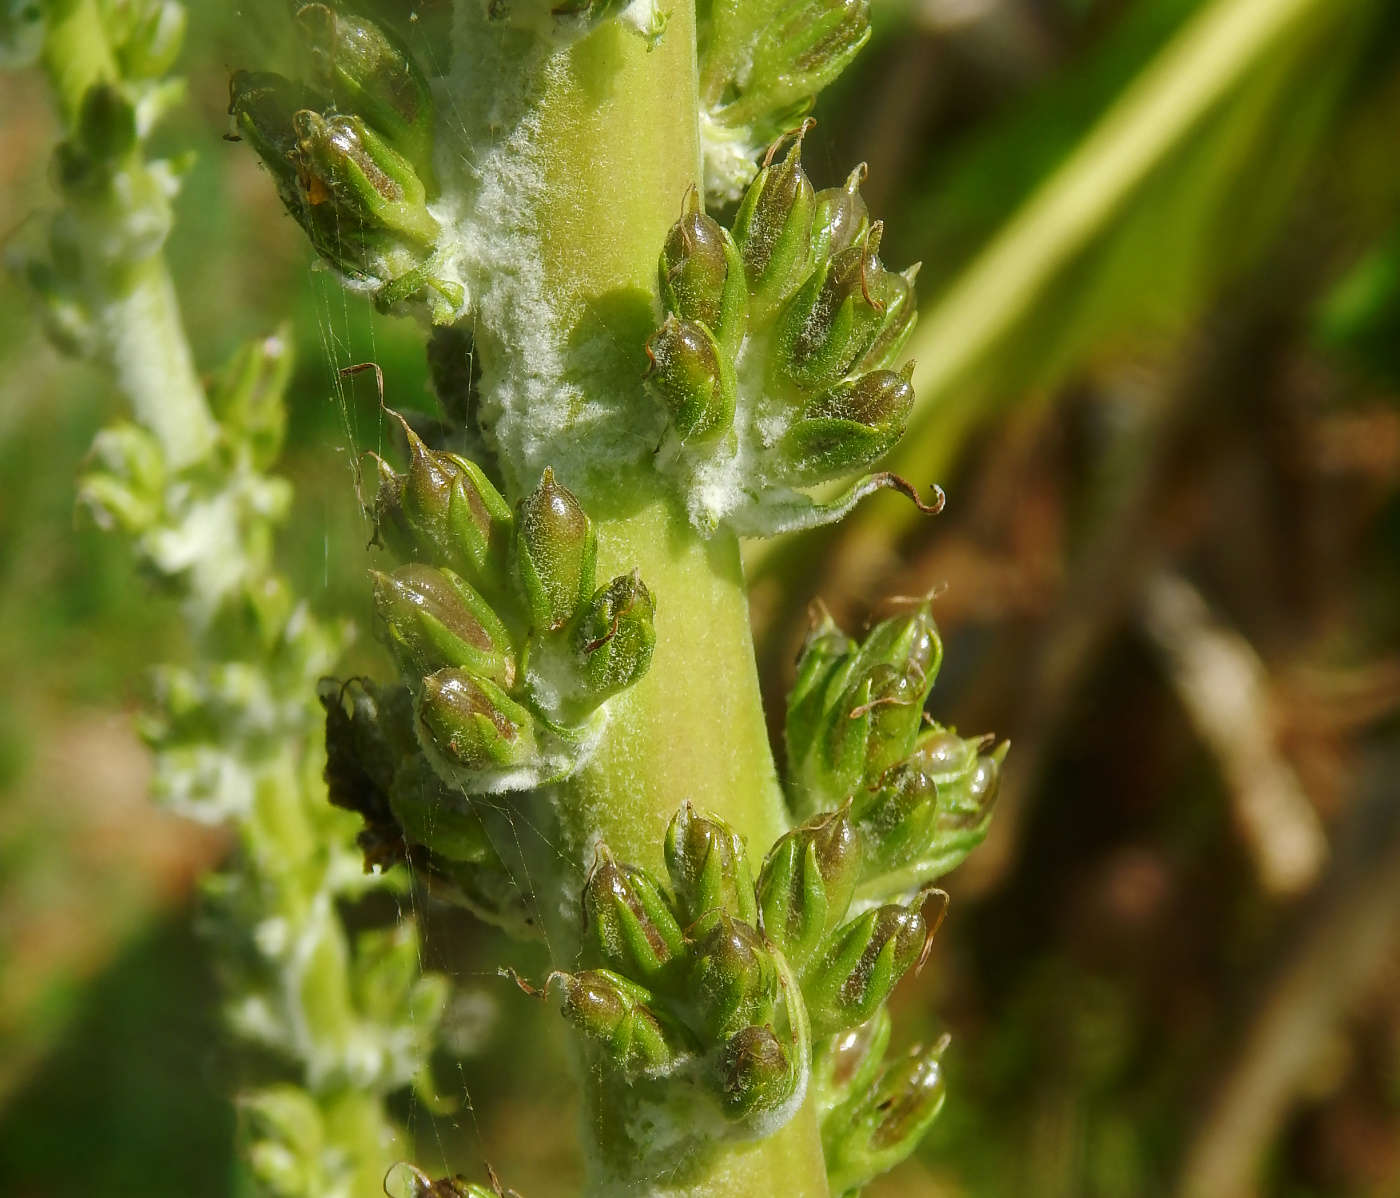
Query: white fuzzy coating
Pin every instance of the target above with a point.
(729, 155)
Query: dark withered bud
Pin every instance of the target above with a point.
(806, 884)
(757, 1072)
(436, 620)
(693, 377)
(850, 427)
(556, 553)
(453, 510)
(616, 637)
(262, 105)
(709, 867)
(836, 315)
(371, 188)
(616, 1014)
(847, 1063)
(702, 275)
(471, 729)
(773, 229)
(841, 218)
(371, 73)
(877, 1128)
(733, 981)
(867, 958)
(629, 924)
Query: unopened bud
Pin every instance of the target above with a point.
(629, 925)
(851, 426)
(709, 867)
(370, 186)
(126, 491)
(824, 651)
(436, 620)
(896, 292)
(841, 217)
(103, 137)
(693, 377)
(616, 636)
(875, 1130)
(758, 1072)
(734, 981)
(471, 727)
(372, 74)
(150, 44)
(847, 1063)
(836, 315)
(454, 511)
(556, 553)
(248, 398)
(615, 1013)
(772, 230)
(868, 957)
(702, 275)
(441, 822)
(806, 884)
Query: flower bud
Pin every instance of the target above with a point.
(470, 727)
(434, 816)
(248, 398)
(824, 651)
(702, 275)
(772, 230)
(841, 218)
(851, 426)
(556, 550)
(693, 377)
(452, 508)
(875, 1130)
(848, 1062)
(629, 925)
(868, 957)
(896, 292)
(734, 981)
(371, 74)
(709, 867)
(807, 882)
(436, 620)
(371, 188)
(759, 1073)
(127, 490)
(616, 636)
(150, 43)
(615, 1013)
(103, 138)
(836, 315)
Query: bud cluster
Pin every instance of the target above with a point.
(508, 648)
(873, 1111)
(717, 977)
(351, 152)
(918, 796)
(761, 67)
(776, 361)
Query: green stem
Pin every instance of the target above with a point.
(579, 170)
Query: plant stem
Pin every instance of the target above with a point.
(580, 157)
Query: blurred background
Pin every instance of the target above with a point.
(1159, 378)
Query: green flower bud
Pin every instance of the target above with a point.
(127, 489)
(616, 636)
(702, 276)
(823, 653)
(629, 925)
(372, 75)
(875, 1130)
(452, 508)
(103, 139)
(848, 1062)
(841, 218)
(896, 819)
(868, 957)
(773, 229)
(470, 727)
(436, 620)
(248, 398)
(759, 1073)
(556, 552)
(433, 815)
(615, 1013)
(693, 377)
(836, 316)
(709, 867)
(851, 426)
(371, 188)
(901, 313)
(734, 981)
(150, 44)
(806, 884)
